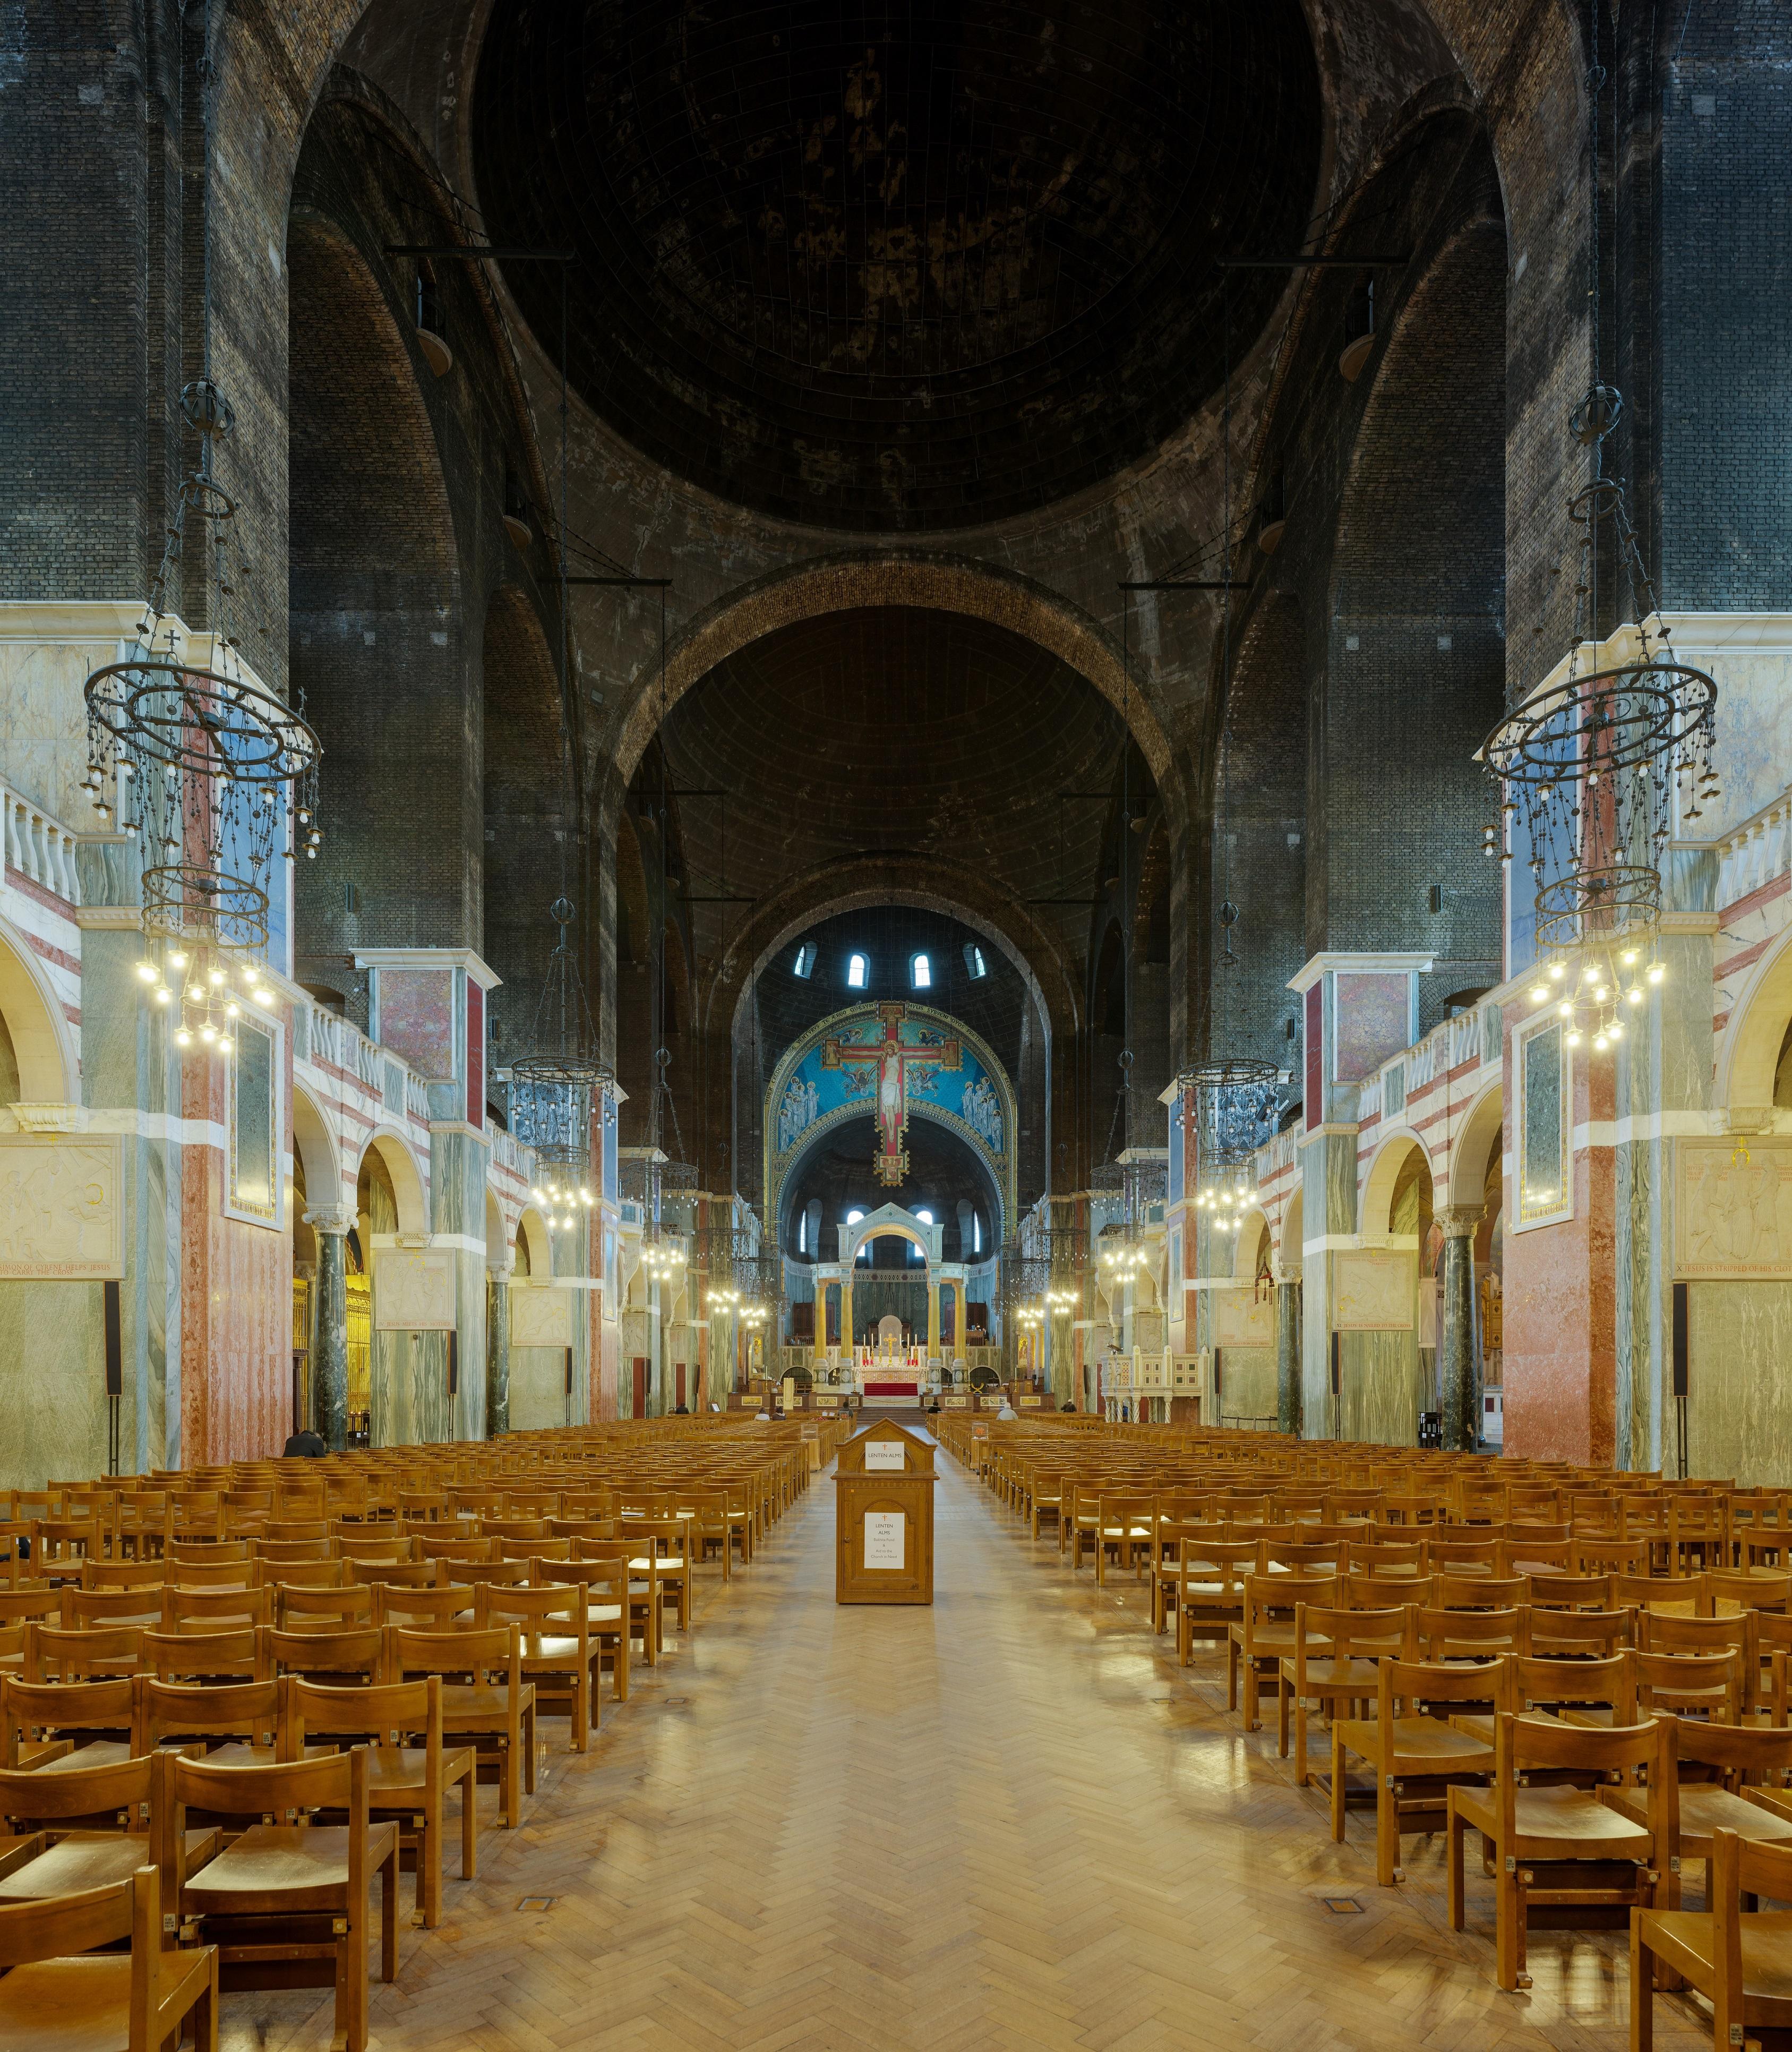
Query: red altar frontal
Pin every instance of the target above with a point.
(890, 1370)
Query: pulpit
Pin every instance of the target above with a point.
(883, 1516)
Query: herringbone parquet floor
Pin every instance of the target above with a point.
(1010, 1820)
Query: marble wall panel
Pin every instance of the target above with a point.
(538, 1388)
(541, 1318)
(52, 1382)
(416, 1019)
(1739, 1405)
(1381, 1391)
(1248, 1383)
(1240, 1319)
(1374, 1019)
(235, 1397)
(61, 1207)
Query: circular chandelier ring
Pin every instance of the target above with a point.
(567, 1068)
(1236, 1072)
(1626, 717)
(205, 722)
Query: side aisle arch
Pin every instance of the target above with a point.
(817, 1087)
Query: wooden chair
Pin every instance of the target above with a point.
(59, 1995)
(52, 1656)
(330, 1574)
(283, 1900)
(298, 1608)
(207, 1553)
(87, 1610)
(1591, 1635)
(1210, 1592)
(485, 1699)
(643, 1598)
(1450, 1555)
(351, 1659)
(87, 1828)
(1743, 1757)
(400, 1574)
(1123, 1527)
(430, 1610)
(1414, 1758)
(238, 1723)
(67, 1724)
(1560, 1844)
(1263, 1634)
(1741, 1963)
(557, 1652)
(1435, 1638)
(223, 1657)
(1660, 1633)
(406, 1783)
(215, 1610)
(607, 1586)
(659, 1556)
(1570, 1591)
(1334, 1663)
(1389, 1557)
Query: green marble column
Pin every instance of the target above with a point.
(497, 1353)
(329, 1352)
(1288, 1357)
(1456, 1327)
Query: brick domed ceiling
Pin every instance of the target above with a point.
(896, 268)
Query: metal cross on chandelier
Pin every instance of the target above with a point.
(893, 1058)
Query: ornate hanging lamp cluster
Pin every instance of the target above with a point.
(556, 1084)
(215, 776)
(1238, 1102)
(1596, 771)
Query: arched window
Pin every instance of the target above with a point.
(857, 969)
(926, 1218)
(974, 963)
(804, 964)
(854, 1217)
(976, 1232)
(921, 973)
(803, 1231)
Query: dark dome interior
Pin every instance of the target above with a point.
(896, 268)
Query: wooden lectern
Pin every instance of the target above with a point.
(883, 1516)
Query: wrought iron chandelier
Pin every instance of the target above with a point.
(555, 1084)
(1238, 1102)
(215, 774)
(1592, 770)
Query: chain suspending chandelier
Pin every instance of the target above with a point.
(216, 776)
(1592, 770)
(1238, 1102)
(555, 1085)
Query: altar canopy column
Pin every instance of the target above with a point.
(933, 1291)
(1456, 1334)
(1288, 1357)
(497, 1353)
(846, 1317)
(330, 1384)
(821, 1322)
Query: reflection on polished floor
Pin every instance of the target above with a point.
(1010, 1820)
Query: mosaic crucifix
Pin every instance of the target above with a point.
(894, 1060)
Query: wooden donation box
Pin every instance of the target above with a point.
(883, 1514)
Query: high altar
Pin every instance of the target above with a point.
(892, 1371)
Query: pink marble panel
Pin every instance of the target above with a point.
(416, 1019)
(236, 1305)
(1561, 1350)
(1373, 1020)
